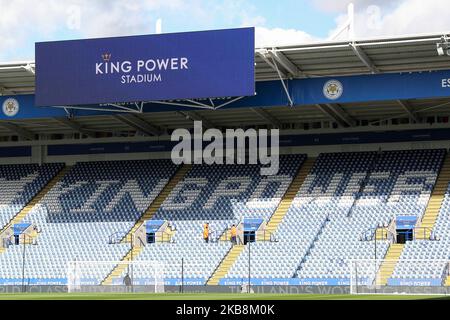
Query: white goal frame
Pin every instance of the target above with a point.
(365, 277)
(79, 281)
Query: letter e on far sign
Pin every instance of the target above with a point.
(445, 83)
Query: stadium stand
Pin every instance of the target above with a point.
(371, 118)
(293, 232)
(222, 195)
(399, 183)
(19, 184)
(437, 271)
(134, 251)
(318, 213)
(80, 214)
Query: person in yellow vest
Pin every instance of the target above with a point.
(206, 232)
(233, 232)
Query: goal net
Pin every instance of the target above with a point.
(415, 276)
(115, 276)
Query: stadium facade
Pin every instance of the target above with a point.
(361, 194)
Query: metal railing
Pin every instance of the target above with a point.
(423, 233)
(446, 272)
(224, 236)
(266, 236)
(117, 237)
(418, 233)
(163, 236)
(260, 235)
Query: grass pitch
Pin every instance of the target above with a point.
(206, 296)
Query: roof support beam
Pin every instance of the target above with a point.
(405, 105)
(332, 115)
(286, 64)
(342, 114)
(267, 117)
(264, 54)
(193, 115)
(139, 124)
(74, 125)
(30, 68)
(4, 90)
(364, 58)
(21, 132)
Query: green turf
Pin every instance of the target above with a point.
(205, 296)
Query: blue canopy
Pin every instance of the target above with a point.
(252, 224)
(406, 222)
(152, 226)
(19, 228)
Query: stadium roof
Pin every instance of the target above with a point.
(382, 55)
(337, 58)
(17, 77)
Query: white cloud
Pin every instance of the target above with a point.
(406, 17)
(277, 37)
(23, 21)
(340, 6)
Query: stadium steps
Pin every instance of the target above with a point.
(38, 197)
(288, 197)
(120, 267)
(284, 205)
(226, 264)
(434, 204)
(390, 261)
(154, 206)
(271, 226)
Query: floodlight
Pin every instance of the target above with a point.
(440, 49)
(443, 47)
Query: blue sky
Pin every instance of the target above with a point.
(23, 22)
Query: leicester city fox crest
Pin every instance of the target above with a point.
(10, 107)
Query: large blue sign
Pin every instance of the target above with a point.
(291, 281)
(416, 282)
(406, 222)
(19, 228)
(252, 224)
(152, 226)
(23, 107)
(271, 94)
(150, 67)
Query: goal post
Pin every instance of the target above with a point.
(365, 276)
(405, 276)
(115, 276)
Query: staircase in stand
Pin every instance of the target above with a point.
(434, 204)
(119, 269)
(226, 264)
(148, 214)
(154, 206)
(18, 218)
(272, 225)
(389, 262)
(288, 197)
